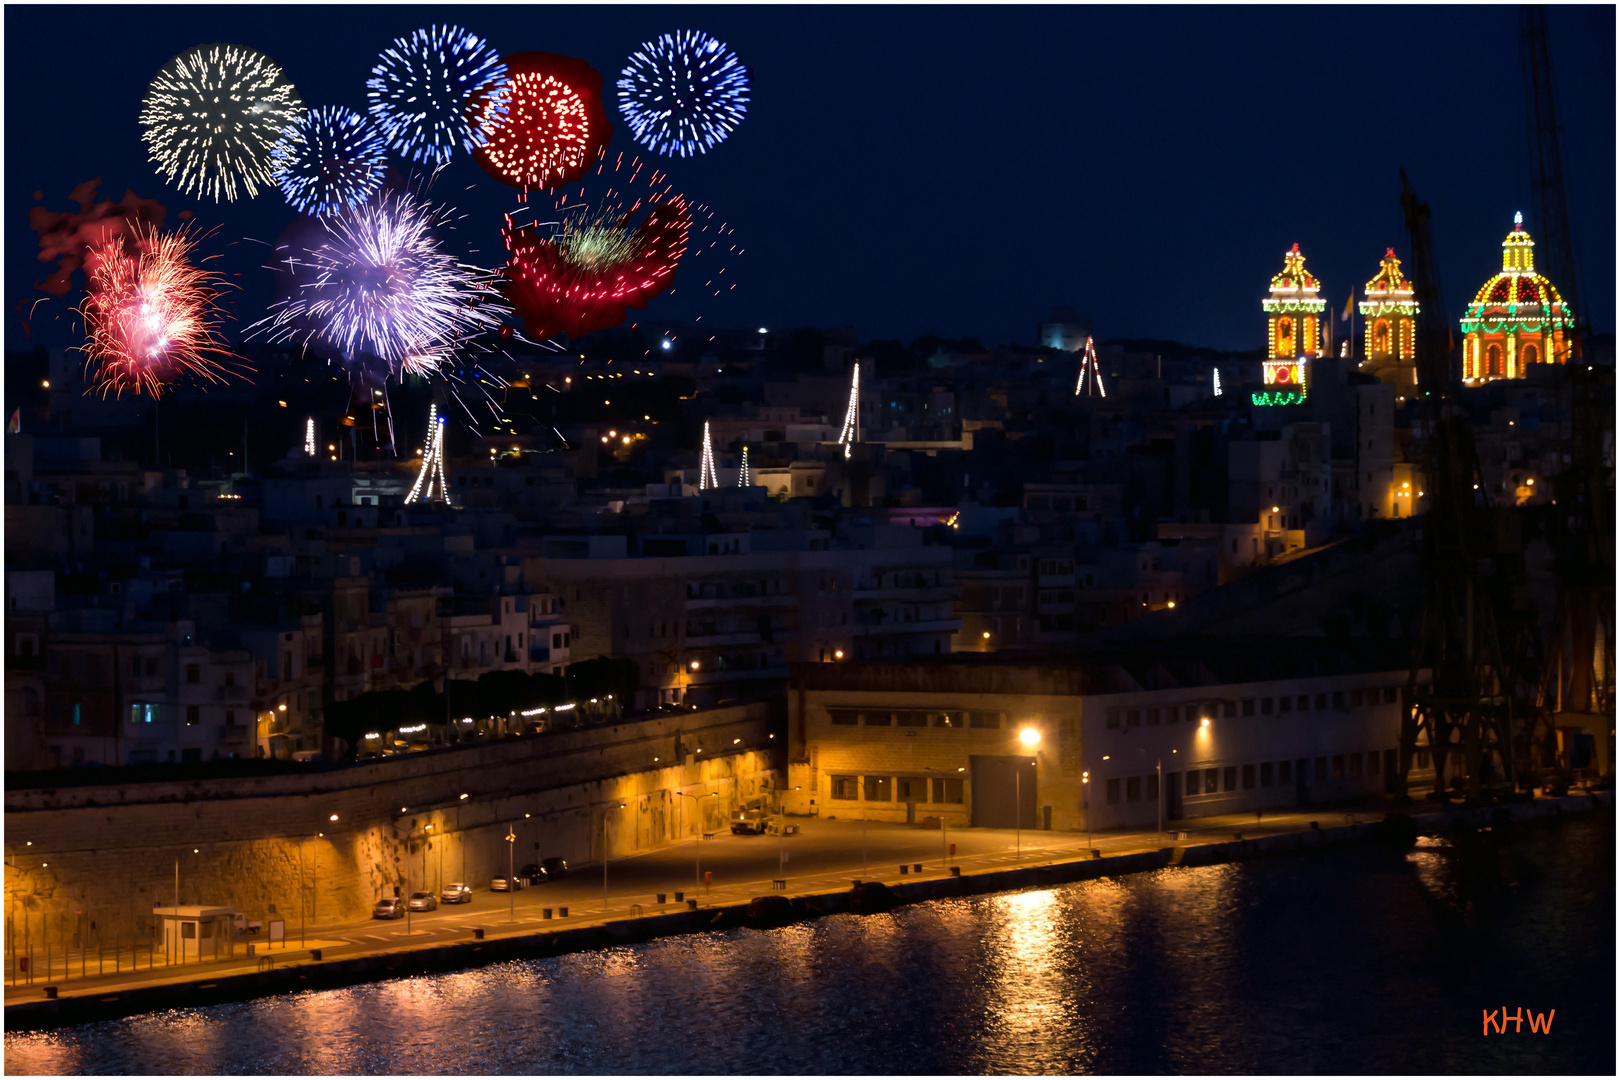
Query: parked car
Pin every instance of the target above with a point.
(533, 874)
(389, 907)
(424, 901)
(748, 821)
(456, 893)
(502, 883)
(554, 867)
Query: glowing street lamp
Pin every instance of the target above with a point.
(1030, 738)
(697, 873)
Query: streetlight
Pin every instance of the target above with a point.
(1085, 802)
(697, 874)
(1030, 738)
(511, 882)
(605, 856)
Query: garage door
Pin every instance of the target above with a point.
(1003, 791)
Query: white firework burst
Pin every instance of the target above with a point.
(213, 116)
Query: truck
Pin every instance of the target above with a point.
(748, 821)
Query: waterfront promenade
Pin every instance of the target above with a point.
(824, 856)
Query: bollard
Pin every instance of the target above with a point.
(562, 913)
(904, 869)
(953, 850)
(691, 905)
(1237, 836)
(680, 898)
(50, 992)
(315, 954)
(1315, 827)
(478, 933)
(956, 871)
(916, 868)
(661, 897)
(1096, 853)
(856, 884)
(779, 884)
(545, 913)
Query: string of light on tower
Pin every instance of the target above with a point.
(1090, 382)
(430, 485)
(743, 479)
(309, 437)
(707, 477)
(851, 430)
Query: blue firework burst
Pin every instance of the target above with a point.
(683, 93)
(331, 157)
(420, 90)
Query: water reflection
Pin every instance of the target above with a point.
(1286, 965)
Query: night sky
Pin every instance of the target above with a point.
(947, 170)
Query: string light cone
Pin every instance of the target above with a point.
(851, 431)
(430, 485)
(742, 476)
(309, 437)
(1090, 383)
(706, 474)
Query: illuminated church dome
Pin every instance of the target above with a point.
(1517, 318)
(1390, 314)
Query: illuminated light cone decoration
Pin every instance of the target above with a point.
(1090, 381)
(309, 437)
(585, 277)
(545, 126)
(851, 431)
(1294, 314)
(707, 477)
(743, 479)
(1217, 381)
(430, 485)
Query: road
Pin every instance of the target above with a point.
(823, 856)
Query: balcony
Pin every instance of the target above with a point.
(234, 695)
(886, 629)
(701, 603)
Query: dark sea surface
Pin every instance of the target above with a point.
(1354, 960)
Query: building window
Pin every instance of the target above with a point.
(1338, 699)
(951, 719)
(1389, 695)
(1248, 706)
(193, 715)
(880, 718)
(1321, 768)
(1229, 709)
(984, 719)
(77, 714)
(1321, 701)
(1304, 703)
(844, 787)
(1133, 718)
(1285, 703)
(1229, 778)
(1338, 766)
(1111, 718)
(1284, 769)
(912, 788)
(1212, 781)
(230, 717)
(1248, 777)
(912, 718)
(1355, 698)
(843, 717)
(1133, 789)
(948, 791)
(1113, 792)
(1265, 706)
(878, 789)
(1153, 787)
(1153, 716)
(193, 674)
(1355, 765)
(1265, 774)
(1391, 762)
(134, 667)
(1172, 714)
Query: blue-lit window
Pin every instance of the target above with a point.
(143, 714)
(76, 714)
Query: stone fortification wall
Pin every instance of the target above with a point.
(109, 852)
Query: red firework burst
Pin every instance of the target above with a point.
(546, 126)
(151, 315)
(576, 283)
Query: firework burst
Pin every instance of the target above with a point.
(546, 126)
(377, 292)
(331, 158)
(582, 270)
(213, 116)
(151, 315)
(421, 92)
(683, 93)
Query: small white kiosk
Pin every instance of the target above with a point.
(189, 934)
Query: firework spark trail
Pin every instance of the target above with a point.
(331, 158)
(421, 90)
(151, 315)
(213, 116)
(381, 286)
(683, 93)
